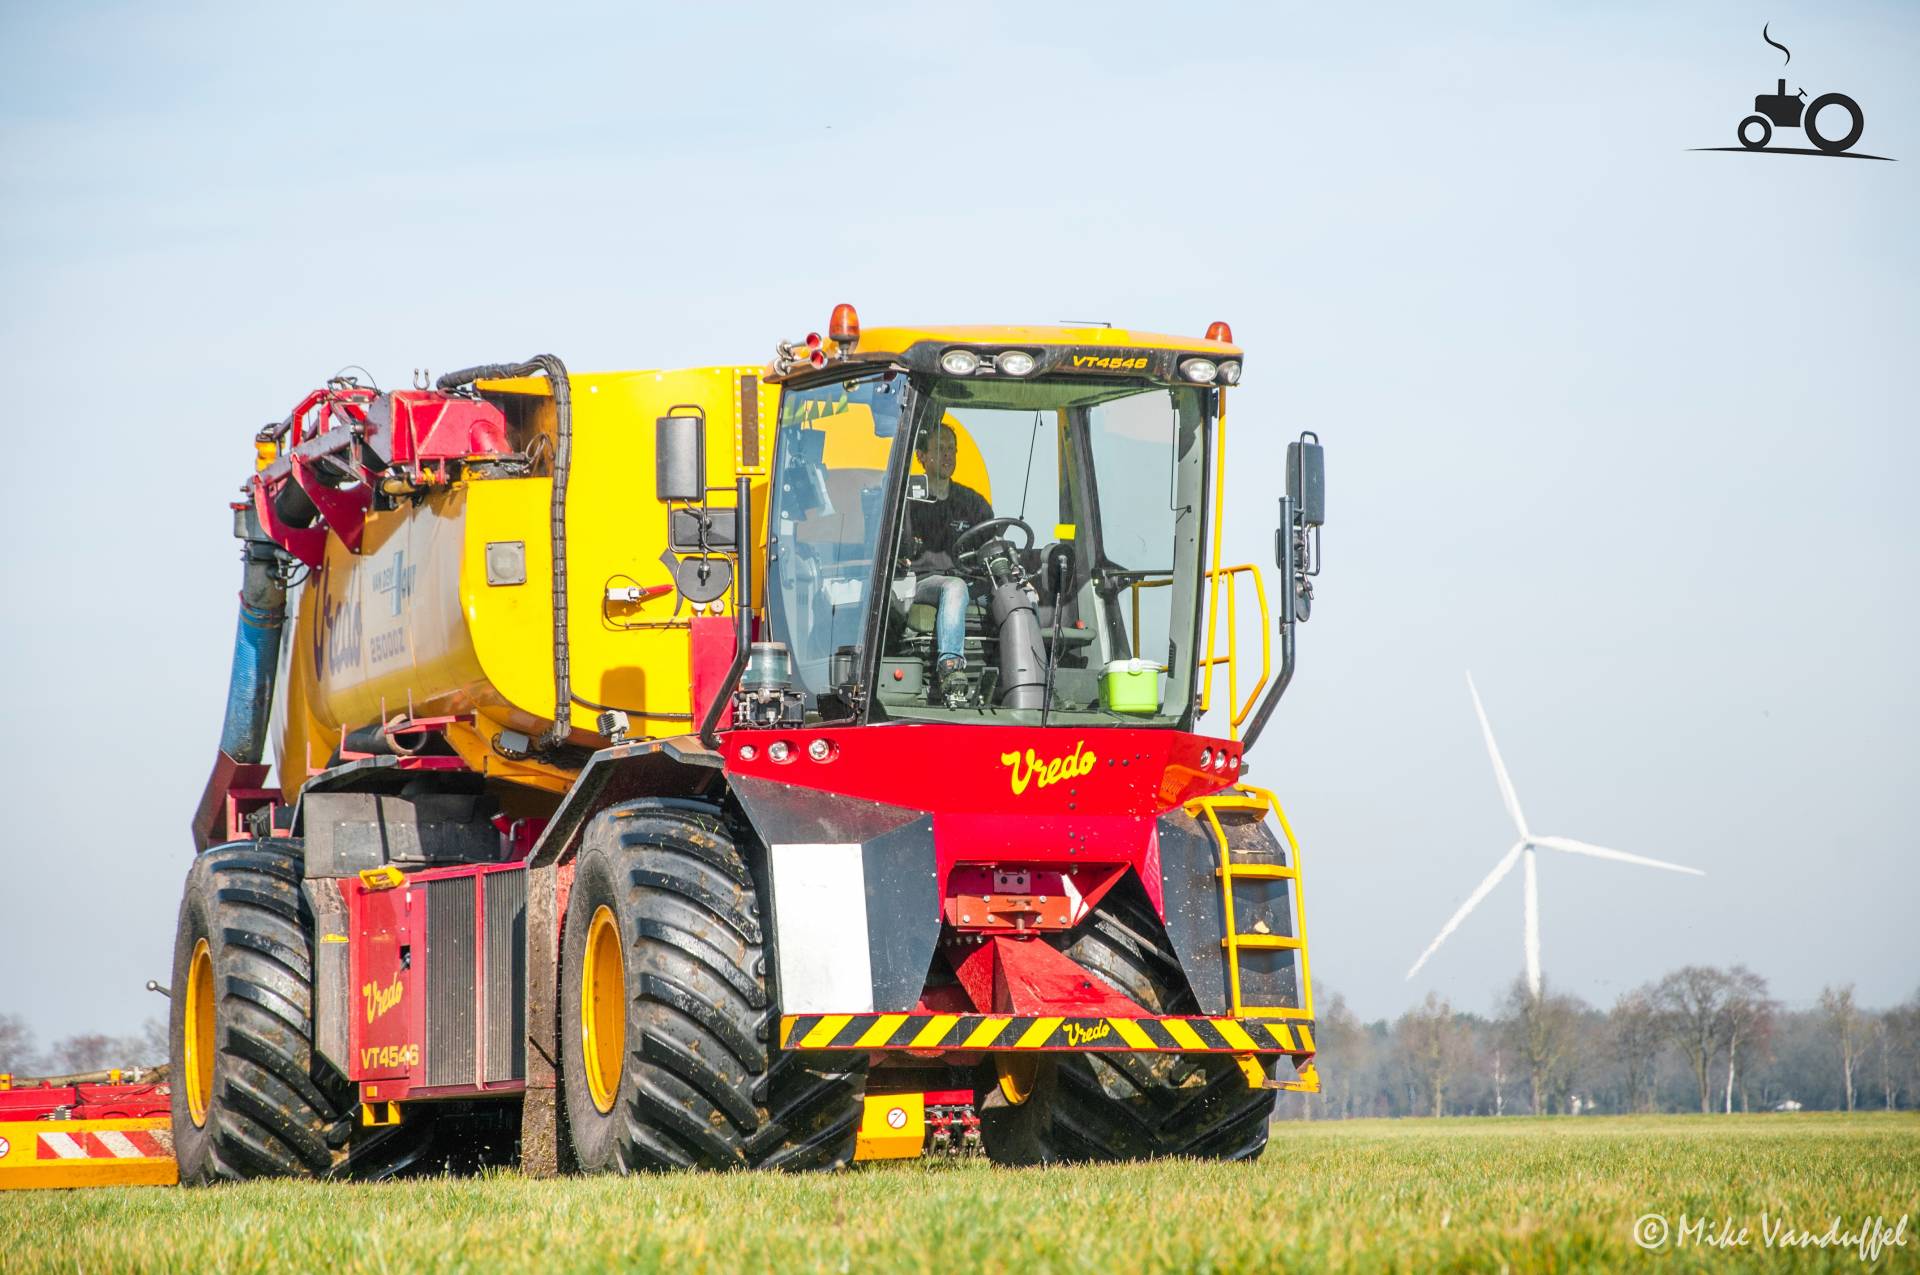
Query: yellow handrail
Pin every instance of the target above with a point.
(1238, 709)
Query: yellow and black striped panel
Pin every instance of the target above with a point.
(1002, 1031)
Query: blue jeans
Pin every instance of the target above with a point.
(948, 594)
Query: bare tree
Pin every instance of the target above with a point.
(89, 1051)
(17, 1054)
(1746, 1014)
(1692, 1000)
(1843, 1019)
(1636, 1033)
(1903, 1041)
(1543, 1030)
(1433, 1048)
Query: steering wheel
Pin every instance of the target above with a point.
(981, 531)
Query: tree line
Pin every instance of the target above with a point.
(1700, 1039)
(83, 1052)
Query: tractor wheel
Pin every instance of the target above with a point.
(249, 1099)
(1106, 1107)
(668, 1010)
(1856, 123)
(1757, 141)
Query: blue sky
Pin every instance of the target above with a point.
(1625, 428)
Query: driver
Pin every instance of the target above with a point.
(935, 523)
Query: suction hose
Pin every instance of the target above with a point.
(256, 653)
(556, 374)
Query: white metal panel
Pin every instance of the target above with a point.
(820, 912)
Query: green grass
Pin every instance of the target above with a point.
(1411, 1195)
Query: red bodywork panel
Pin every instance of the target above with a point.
(713, 642)
(387, 960)
(1052, 800)
(429, 426)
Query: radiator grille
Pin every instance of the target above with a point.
(506, 976)
(450, 975)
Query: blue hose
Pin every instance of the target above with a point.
(256, 663)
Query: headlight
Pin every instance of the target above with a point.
(1014, 362)
(1230, 372)
(1201, 370)
(959, 362)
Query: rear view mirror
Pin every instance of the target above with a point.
(1307, 480)
(917, 488)
(679, 458)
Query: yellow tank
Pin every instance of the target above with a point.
(421, 622)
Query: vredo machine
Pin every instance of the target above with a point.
(743, 767)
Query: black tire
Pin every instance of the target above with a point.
(1109, 1107)
(1766, 132)
(703, 1083)
(1834, 145)
(266, 1113)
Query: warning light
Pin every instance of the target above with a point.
(1219, 331)
(844, 327)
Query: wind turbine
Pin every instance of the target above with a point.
(1524, 848)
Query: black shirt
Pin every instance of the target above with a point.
(936, 524)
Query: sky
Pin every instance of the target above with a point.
(1625, 428)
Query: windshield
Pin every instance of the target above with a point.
(824, 519)
(1046, 561)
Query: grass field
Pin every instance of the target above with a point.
(1409, 1195)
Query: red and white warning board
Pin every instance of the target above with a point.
(66, 1153)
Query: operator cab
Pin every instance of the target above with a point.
(960, 535)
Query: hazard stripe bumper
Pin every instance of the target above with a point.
(68, 1153)
(948, 1032)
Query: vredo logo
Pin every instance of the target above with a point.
(1027, 768)
(336, 629)
(381, 999)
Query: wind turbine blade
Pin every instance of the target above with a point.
(1499, 767)
(1480, 892)
(1571, 846)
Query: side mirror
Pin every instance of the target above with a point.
(1307, 480)
(917, 488)
(679, 458)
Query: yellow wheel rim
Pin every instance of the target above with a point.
(603, 1010)
(197, 1027)
(1016, 1077)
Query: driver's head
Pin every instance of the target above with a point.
(938, 449)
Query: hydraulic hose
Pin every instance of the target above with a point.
(256, 654)
(742, 616)
(556, 374)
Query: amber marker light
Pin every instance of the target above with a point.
(844, 327)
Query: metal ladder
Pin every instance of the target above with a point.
(1246, 797)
